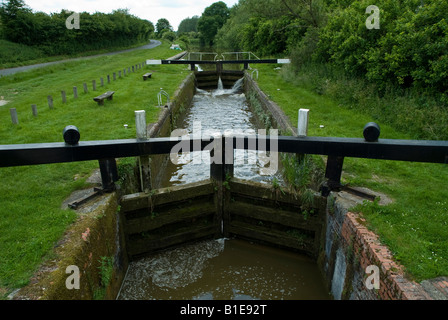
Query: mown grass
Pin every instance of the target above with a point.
(15, 55)
(414, 226)
(31, 218)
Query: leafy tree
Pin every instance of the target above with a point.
(212, 19)
(50, 34)
(188, 25)
(162, 26)
(17, 21)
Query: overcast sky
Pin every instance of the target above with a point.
(173, 10)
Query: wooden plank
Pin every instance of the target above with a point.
(270, 236)
(174, 215)
(274, 215)
(166, 195)
(142, 246)
(263, 191)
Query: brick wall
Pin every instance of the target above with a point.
(364, 249)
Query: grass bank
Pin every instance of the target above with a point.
(31, 217)
(415, 225)
(16, 55)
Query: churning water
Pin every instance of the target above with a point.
(222, 269)
(218, 112)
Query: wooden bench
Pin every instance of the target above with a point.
(100, 99)
(146, 76)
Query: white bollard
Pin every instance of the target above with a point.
(302, 124)
(140, 124)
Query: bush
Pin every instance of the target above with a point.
(409, 50)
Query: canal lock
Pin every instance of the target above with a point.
(190, 209)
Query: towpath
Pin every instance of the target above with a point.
(5, 72)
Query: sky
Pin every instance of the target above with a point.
(172, 10)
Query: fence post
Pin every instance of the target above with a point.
(14, 118)
(94, 85)
(144, 162)
(50, 102)
(34, 109)
(115, 76)
(119, 74)
(108, 78)
(75, 92)
(85, 87)
(102, 82)
(64, 97)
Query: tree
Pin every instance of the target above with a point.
(212, 19)
(17, 21)
(162, 26)
(188, 25)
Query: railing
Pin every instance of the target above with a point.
(238, 54)
(335, 148)
(202, 54)
(159, 97)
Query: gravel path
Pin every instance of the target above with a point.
(5, 72)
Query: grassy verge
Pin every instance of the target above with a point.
(415, 225)
(31, 218)
(17, 55)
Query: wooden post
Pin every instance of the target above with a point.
(119, 74)
(143, 161)
(115, 76)
(94, 85)
(50, 102)
(302, 124)
(129, 70)
(102, 82)
(108, 78)
(109, 173)
(132, 68)
(34, 109)
(124, 72)
(14, 117)
(75, 92)
(64, 97)
(333, 174)
(85, 87)
(217, 171)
